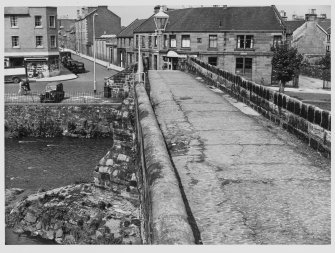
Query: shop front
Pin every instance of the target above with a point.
(172, 59)
(39, 67)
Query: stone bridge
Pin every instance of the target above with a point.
(218, 172)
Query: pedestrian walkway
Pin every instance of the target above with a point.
(98, 61)
(64, 75)
(244, 183)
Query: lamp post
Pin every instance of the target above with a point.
(94, 81)
(161, 20)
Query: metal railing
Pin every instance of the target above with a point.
(69, 98)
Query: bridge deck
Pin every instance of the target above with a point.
(246, 180)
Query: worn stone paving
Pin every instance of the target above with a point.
(246, 181)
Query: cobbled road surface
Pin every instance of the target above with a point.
(246, 180)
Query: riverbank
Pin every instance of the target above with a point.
(76, 214)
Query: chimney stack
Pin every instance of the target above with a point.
(283, 15)
(156, 9)
(323, 16)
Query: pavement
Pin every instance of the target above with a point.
(246, 180)
(98, 61)
(308, 85)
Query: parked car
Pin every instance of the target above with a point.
(70, 63)
(78, 67)
(53, 93)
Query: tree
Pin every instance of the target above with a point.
(325, 63)
(286, 63)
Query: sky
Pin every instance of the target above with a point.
(130, 13)
(129, 10)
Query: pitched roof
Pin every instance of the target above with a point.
(208, 19)
(325, 24)
(129, 30)
(292, 25)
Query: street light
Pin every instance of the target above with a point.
(94, 82)
(161, 20)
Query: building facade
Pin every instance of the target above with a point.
(106, 22)
(237, 39)
(106, 48)
(31, 39)
(125, 44)
(67, 33)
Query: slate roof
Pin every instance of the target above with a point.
(207, 19)
(16, 11)
(292, 25)
(129, 30)
(325, 24)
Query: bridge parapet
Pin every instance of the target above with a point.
(164, 210)
(308, 122)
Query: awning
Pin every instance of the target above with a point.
(35, 59)
(174, 54)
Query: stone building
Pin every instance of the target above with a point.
(310, 36)
(106, 22)
(237, 39)
(125, 44)
(67, 33)
(31, 39)
(106, 49)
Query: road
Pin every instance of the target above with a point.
(84, 82)
(246, 180)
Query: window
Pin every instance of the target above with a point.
(150, 41)
(165, 41)
(155, 41)
(243, 66)
(38, 21)
(328, 48)
(39, 41)
(136, 42)
(199, 40)
(185, 41)
(245, 41)
(173, 41)
(328, 37)
(213, 41)
(52, 21)
(13, 21)
(143, 42)
(212, 61)
(15, 41)
(53, 41)
(276, 40)
(129, 42)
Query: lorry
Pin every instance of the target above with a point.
(15, 74)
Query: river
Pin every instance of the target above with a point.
(36, 163)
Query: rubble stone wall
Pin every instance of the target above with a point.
(308, 122)
(84, 120)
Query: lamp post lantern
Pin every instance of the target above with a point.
(94, 79)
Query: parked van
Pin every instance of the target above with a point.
(14, 74)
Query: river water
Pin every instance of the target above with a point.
(37, 163)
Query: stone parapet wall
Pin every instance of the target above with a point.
(166, 219)
(308, 122)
